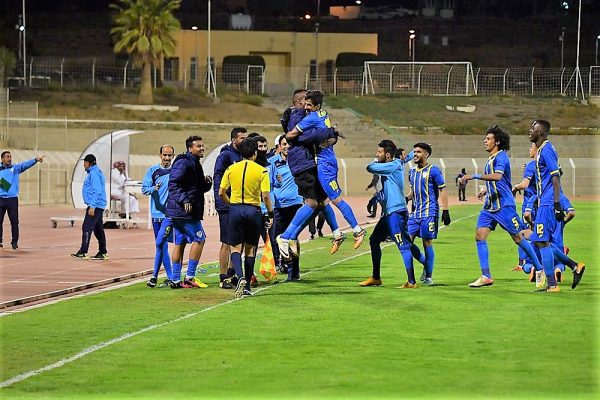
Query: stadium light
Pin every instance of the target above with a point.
(307, 16)
(597, 39)
(411, 53)
(358, 2)
(195, 29)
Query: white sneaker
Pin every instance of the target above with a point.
(423, 276)
(540, 279)
(240, 288)
(427, 281)
(284, 247)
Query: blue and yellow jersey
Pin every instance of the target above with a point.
(565, 203)
(529, 173)
(499, 193)
(546, 167)
(247, 181)
(426, 183)
(319, 119)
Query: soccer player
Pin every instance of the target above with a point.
(427, 188)
(185, 207)
(528, 187)
(249, 183)
(228, 156)
(301, 160)
(499, 205)
(394, 213)
(327, 168)
(550, 212)
(557, 238)
(156, 184)
(286, 203)
(94, 196)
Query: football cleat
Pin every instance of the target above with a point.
(226, 284)
(166, 283)
(577, 274)
(284, 247)
(359, 237)
(294, 248)
(240, 288)
(192, 283)
(481, 282)
(100, 256)
(548, 289)
(253, 281)
(408, 285)
(336, 242)
(152, 282)
(558, 275)
(371, 282)
(428, 282)
(540, 279)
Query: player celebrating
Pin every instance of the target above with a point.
(548, 218)
(499, 205)
(428, 187)
(394, 214)
(327, 168)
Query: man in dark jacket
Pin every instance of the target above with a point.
(185, 206)
(229, 155)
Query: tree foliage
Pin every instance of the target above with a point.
(145, 29)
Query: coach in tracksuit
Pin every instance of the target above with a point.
(94, 196)
(9, 192)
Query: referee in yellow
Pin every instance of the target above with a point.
(249, 182)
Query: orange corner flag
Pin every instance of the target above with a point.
(267, 263)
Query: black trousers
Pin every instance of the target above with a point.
(462, 191)
(283, 217)
(93, 225)
(10, 205)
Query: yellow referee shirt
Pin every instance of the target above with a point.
(247, 180)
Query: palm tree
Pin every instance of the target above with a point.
(145, 29)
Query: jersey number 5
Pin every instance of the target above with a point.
(515, 222)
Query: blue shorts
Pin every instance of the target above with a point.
(245, 224)
(328, 179)
(392, 225)
(187, 231)
(224, 226)
(545, 225)
(506, 217)
(163, 230)
(425, 228)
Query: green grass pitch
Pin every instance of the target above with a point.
(326, 337)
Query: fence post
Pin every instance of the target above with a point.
(343, 162)
(532, 69)
(476, 171)
(362, 90)
(419, 81)
(391, 75)
(66, 185)
(94, 72)
(443, 164)
(62, 65)
(574, 167)
(30, 69)
(562, 73)
(125, 75)
(248, 79)
(504, 81)
(39, 186)
(448, 81)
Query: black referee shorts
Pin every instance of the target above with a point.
(309, 186)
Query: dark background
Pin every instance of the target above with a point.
(504, 33)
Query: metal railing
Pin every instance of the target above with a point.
(95, 72)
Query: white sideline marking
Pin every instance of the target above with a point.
(26, 281)
(102, 345)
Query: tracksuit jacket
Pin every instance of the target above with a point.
(11, 175)
(226, 158)
(93, 189)
(187, 184)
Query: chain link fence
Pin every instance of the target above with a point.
(254, 79)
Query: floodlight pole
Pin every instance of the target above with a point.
(317, 54)
(577, 71)
(196, 75)
(561, 38)
(210, 85)
(24, 48)
(597, 39)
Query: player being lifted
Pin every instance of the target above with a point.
(327, 168)
(427, 187)
(499, 205)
